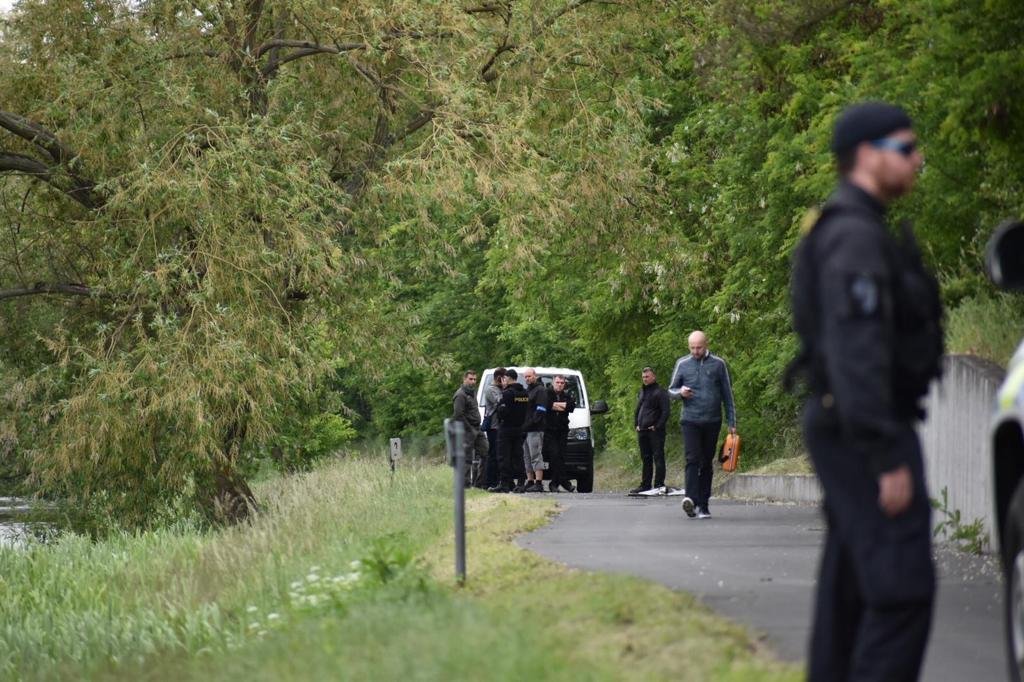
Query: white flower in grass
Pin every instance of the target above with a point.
(312, 578)
(273, 616)
(251, 609)
(254, 625)
(296, 585)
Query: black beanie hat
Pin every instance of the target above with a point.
(865, 122)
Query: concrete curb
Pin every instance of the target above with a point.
(799, 488)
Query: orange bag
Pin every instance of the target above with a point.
(730, 458)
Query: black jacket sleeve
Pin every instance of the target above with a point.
(636, 412)
(855, 304)
(663, 410)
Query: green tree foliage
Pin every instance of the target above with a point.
(738, 100)
(213, 210)
(223, 220)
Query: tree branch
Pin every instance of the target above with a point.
(37, 135)
(43, 288)
(488, 72)
(546, 24)
(26, 165)
(308, 45)
(79, 189)
(271, 67)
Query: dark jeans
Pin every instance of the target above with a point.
(700, 439)
(652, 454)
(510, 452)
(476, 458)
(554, 454)
(876, 584)
(493, 469)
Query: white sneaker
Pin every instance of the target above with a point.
(674, 492)
(703, 515)
(653, 491)
(688, 507)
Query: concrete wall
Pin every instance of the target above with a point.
(801, 488)
(955, 437)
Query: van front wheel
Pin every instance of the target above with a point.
(585, 482)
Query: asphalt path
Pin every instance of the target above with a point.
(757, 563)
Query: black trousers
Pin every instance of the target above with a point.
(493, 469)
(652, 455)
(510, 452)
(876, 584)
(476, 446)
(700, 441)
(554, 454)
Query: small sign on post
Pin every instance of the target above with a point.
(395, 453)
(453, 435)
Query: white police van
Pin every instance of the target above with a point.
(579, 451)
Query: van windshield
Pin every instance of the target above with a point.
(572, 385)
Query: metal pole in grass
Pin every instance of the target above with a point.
(395, 454)
(453, 432)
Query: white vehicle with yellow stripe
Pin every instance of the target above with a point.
(1005, 263)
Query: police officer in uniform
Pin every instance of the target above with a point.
(877, 581)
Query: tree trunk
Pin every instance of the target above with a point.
(234, 500)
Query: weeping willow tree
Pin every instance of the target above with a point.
(204, 206)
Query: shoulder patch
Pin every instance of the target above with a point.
(864, 295)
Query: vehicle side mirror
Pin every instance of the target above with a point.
(598, 407)
(1004, 256)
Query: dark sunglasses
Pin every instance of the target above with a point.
(904, 147)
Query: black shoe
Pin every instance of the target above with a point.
(531, 487)
(552, 487)
(639, 489)
(567, 487)
(519, 489)
(499, 489)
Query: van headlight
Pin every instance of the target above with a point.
(579, 434)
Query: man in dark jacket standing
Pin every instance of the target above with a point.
(512, 414)
(533, 448)
(701, 380)
(867, 366)
(649, 419)
(492, 398)
(560, 405)
(466, 410)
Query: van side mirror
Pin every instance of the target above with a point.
(598, 407)
(1004, 256)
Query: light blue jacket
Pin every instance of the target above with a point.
(712, 389)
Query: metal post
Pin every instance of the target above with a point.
(395, 453)
(454, 432)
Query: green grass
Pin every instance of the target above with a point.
(281, 599)
(799, 464)
(989, 327)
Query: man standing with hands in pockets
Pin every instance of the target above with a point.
(701, 381)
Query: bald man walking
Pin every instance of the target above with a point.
(701, 381)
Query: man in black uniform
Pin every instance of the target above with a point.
(512, 413)
(559, 406)
(877, 581)
(649, 419)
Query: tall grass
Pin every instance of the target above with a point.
(79, 605)
(347, 574)
(989, 327)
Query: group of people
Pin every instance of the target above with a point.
(520, 441)
(701, 381)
